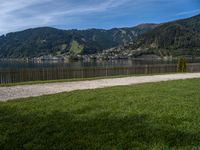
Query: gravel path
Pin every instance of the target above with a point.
(10, 93)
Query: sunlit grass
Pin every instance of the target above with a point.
(148, 116)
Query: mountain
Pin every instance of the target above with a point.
(50, 41)
(177, 38)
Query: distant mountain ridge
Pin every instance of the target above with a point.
(172, 39)
(177, 38)
(50, 41)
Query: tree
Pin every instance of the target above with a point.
(182, 65)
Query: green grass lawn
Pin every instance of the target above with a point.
(162, 115)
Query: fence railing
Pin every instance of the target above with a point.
(23, 75)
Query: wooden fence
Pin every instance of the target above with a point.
(23, 75)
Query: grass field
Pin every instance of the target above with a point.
(162, 115)
(76, 48)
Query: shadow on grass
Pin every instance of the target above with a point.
(64, 130)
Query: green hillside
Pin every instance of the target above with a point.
(44, 41)
(176, 38)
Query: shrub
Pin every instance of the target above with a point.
(182, 65)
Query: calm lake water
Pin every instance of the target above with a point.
(79, 64)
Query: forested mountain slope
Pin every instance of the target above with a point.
(44, 41)
(181, 37)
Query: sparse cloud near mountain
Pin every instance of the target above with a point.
(22, 14)
(188, 12)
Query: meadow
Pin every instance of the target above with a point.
(161, 115)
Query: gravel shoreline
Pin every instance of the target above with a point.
(24, 91)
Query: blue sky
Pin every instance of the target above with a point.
(83, 14)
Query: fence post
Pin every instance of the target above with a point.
(82, 73)
(106, 72)
(1, 78)
(146, 69)
(191, 68)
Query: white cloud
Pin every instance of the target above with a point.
(14, 5)
(20, 14)
(188, 12)
(92, 8)
(9, 20)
